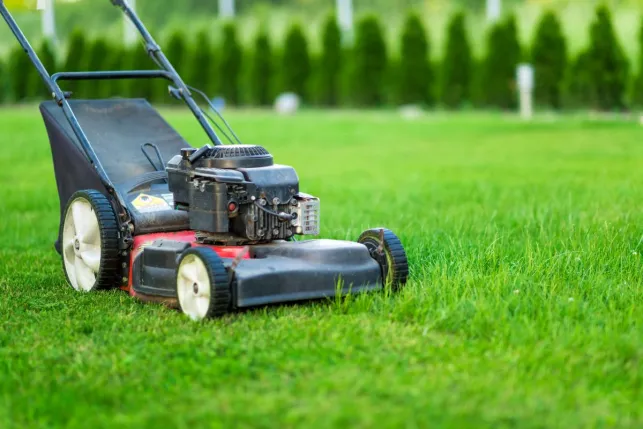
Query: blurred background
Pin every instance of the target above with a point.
(440, 54)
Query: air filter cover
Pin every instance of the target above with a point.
(237, 156)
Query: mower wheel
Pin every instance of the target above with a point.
(90, 236)
(386, 248)
(202, 284)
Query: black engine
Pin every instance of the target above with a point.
(235, 194)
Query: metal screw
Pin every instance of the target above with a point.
(124, 253)
(262, 202)
(275, 201)
(275, 231)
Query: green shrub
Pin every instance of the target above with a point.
(76, 52)
(369, 63)
(21, 73)
(415, 77)
(97, 57)
(3, 80)
(202, 74)
(478, 86)
(579, 82)
(549, 58)
(457, 65)
(261, 71)
(296, 62)
(609, 66)
(37, 87)
(117, 60)
(137, 59)
(503, 56)
(637, 88)
(330, 63)
(230, 66)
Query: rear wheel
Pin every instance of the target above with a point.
(90, 251)
(202, 284)
(386, 248)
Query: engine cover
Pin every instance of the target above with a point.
(236, 194)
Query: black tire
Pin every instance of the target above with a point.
(220, 294)
(108, 274)
(387, 249)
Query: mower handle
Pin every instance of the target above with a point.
(109, 75)
(157, 55)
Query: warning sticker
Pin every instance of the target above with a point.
(169, 198)
(148, 204)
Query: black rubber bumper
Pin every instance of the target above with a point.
(294, 271)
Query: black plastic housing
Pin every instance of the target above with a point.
(209, 207)
(154, 270)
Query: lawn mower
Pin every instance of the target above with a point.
(208, 229)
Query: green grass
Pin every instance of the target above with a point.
(523, 308)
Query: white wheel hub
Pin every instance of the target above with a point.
(193, 287)
(81, 245)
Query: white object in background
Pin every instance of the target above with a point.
(287, 104)
(494, 9)
(48, 19)
(525, 78)
(411, 111)
(226, 8)
(345, 18)
(131, 34)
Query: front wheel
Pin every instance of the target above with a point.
(386, 248)
(202, 284)
(90, 250)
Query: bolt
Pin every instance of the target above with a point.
(124, 279)
(262, 202)
(124, 253)
(275, 231)
(275, 201)
(252, 198)
(124, 264)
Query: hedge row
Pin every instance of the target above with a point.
(365, 74)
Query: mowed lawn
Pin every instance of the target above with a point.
(523, 308)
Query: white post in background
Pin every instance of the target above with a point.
(345, 19)
(48, 19)
(494, 9)
(226, 8)
(525, 78)
(130, 32)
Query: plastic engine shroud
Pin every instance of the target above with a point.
(236, 156)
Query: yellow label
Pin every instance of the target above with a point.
(147, 203)
(23, 4)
